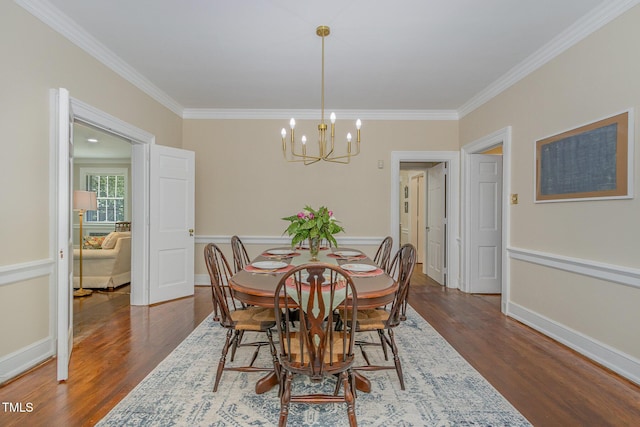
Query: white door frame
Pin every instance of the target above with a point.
(500, 137)
(62, 241)
(140, 141)
(452, 159)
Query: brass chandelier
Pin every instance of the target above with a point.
(325, 153)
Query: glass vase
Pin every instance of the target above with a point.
(314, 248)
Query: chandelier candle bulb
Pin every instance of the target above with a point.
(284, 142)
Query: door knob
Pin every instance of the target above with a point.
(191, 232)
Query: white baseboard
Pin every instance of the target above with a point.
(202, 280)
(617, 361)
(19, 361)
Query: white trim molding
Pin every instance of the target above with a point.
(284, 240)
(619, 362)
(611, 358)
(452, 159)
(501, 137)
(275, 114)
(596, 19)
(612, 273)
(25, 271)
(24, 358)
(15, 363)
(203, 279)
(69, 29)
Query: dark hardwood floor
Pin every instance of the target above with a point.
(116, 346)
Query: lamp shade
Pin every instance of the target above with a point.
(85, 200)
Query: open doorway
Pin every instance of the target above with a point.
(411, 201)
(423, 221)
(102, 164)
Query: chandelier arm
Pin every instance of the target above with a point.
(339, 159)
(349, 155)
(305, 157)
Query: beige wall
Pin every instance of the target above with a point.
(235, 158)
(596, 78)
(34, 60)
(240, 158)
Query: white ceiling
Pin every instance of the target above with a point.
(105, 146)
(401, 55)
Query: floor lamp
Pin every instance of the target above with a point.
(83, 201)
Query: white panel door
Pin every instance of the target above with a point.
(485, 234)
(64, 121)
(417, 215)
(436, 223)
(171, 223)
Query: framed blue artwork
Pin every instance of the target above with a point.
(588, 162)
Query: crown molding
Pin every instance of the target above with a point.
(267, 114)
(588, 24)
(68, 28)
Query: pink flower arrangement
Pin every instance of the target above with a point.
(311, 223)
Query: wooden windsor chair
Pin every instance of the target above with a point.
(383, 320)
(235, 316)
(314, 348)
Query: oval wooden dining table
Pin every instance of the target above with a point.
(258, 287)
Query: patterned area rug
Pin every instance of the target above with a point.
(442, 389)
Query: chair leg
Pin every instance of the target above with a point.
(396, 358)
(223, 358)
(274, 354)
(236, 343)
(383, 343)
(345, 378)
(216, 317)
(285, 399)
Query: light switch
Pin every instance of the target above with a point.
(514, 199)
(380, 164)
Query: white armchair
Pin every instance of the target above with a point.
(104, 268)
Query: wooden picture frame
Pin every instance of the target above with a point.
(594, 161)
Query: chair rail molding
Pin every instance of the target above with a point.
(31, 355)
(284, 240)
(25, 271)
(613, 273)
